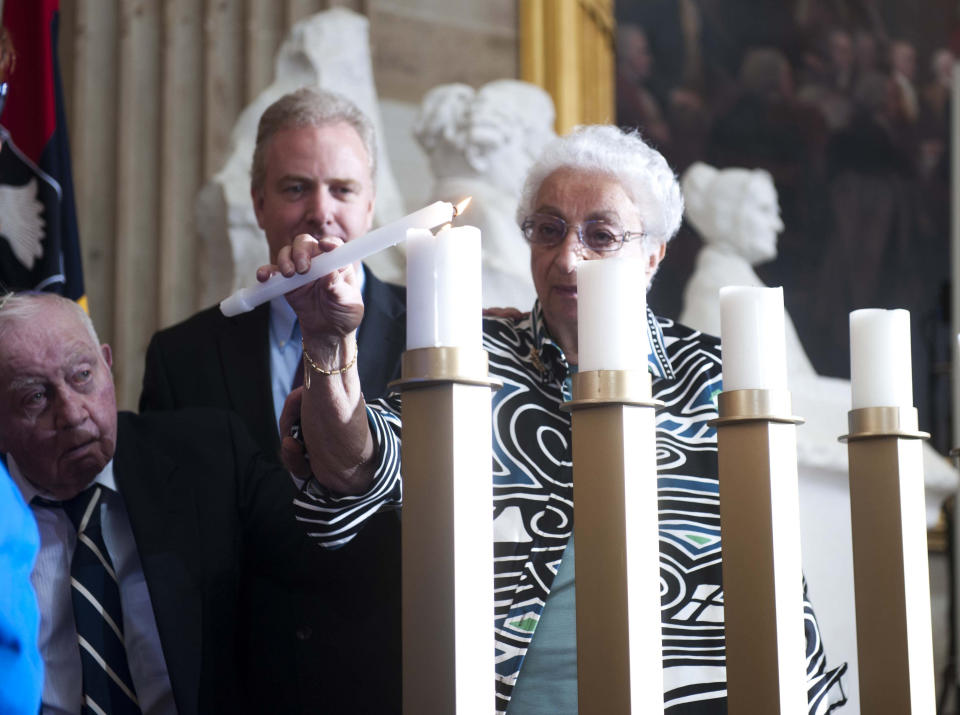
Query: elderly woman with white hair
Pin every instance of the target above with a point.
(596, 193)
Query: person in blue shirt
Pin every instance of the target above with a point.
(21, 670)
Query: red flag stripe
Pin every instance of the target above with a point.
(30, 112)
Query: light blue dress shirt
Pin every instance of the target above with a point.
(58, 632)
(285, 351)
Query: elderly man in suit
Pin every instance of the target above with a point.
(150, 527)
(312, 173)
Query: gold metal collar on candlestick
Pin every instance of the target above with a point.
(874, 422)
(425, 367)
(596, 388)
(753, 405)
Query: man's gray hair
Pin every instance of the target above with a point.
(309, 107)
(641, 170)
(27, 306)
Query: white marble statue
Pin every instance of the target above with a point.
(737, 215)
(480, 144)
(330, 49)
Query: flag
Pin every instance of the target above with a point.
(39, 241)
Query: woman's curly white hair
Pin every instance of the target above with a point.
(641, 170)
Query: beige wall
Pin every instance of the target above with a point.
(152, 91)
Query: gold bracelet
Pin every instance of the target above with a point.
(316, 368)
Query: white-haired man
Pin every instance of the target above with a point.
(150, 526)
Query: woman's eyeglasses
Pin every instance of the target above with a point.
(599, 235)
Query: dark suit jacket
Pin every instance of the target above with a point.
(295, 636)
(213, 361)
(206, 509)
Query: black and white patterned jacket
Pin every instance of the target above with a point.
(533, 505)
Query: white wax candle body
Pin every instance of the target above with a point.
(444, 304)
(753, 338)
(246, 299)
(612, 314)
(881, 373)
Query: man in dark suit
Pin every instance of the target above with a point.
(173, 511)
(312, 173)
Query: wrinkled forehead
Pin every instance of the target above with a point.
(577, 189)
(44, 341)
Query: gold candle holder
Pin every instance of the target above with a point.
(890, 568)
(619, 652)
(760, 534)
(447, 531)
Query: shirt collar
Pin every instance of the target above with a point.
(29, 490)
(552, 355)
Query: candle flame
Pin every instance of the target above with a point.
(462, 206)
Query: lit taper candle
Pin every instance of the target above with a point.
(246, 299)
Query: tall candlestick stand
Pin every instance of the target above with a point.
(619, 651)
(890, 569)
(760, 536)
(447, 531)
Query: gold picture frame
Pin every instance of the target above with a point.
(567, 47)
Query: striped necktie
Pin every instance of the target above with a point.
(107, 684)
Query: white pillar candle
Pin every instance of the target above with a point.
(443, 288)
(753, 338)
(246, 299)
(881, 373)
(612, 314)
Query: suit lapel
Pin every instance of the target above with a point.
(162, 511)
(244, 347)
(381, 338)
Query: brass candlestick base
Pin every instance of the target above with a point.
(425, 367)
(890, 569)
(447, 530)
(760, 533)
(619, 653)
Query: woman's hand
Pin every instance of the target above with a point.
(330, 308)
